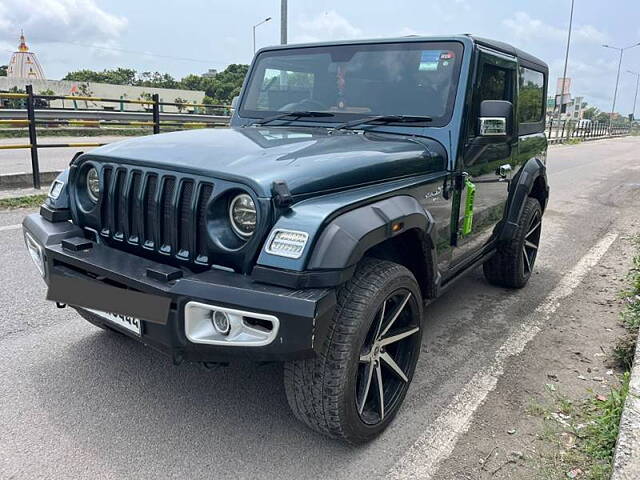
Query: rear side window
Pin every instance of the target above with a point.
(531, 98)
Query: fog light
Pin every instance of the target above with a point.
(35, 250)
(221, 322)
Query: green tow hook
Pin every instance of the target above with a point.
(467, 224)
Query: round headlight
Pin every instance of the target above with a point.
(93, 184)
(243, 215)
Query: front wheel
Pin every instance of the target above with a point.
(356, 384)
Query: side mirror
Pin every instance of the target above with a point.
(234, 102)
(495, 118)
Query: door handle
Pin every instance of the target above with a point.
(503, 170)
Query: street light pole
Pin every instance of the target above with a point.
(615, 92)
(635, 98)
(283, 22)
(566, 60)
(254, 31)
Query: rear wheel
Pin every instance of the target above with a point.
(354, 387)
(513, 264)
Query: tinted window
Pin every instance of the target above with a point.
(494, 84)
(352, 81)
(531, 98)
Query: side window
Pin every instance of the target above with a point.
(495, 83)
(531, 98)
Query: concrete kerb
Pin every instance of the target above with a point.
(626, 462)
(25, 180)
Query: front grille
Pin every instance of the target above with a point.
(156, 212)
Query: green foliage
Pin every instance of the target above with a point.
(181, 102)
(591, 113)
(219, 89)
(23, 202)
(13, 102)
(118, 76)
(603, 417)
(3, 70)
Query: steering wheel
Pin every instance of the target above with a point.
(306, 104)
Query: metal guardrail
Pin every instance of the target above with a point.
(562, 130)
(96, 118)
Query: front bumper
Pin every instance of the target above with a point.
(97, 276)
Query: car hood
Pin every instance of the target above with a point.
(308, 159)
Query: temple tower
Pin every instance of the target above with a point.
(24, 64)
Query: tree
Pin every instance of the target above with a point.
(219, 89)
(591, 113)
(180, 103)
(3, 70)
(119, 76)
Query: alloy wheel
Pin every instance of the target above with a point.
(531, 243)
(387, 357)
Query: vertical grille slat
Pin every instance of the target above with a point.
(105, 201)
(133, 211)
(201, 253)
(161, 212)
(167, 215)
(184, 223)
(119, 203)
(150, 214)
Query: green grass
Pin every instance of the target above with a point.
(588, 439)
(23, 202)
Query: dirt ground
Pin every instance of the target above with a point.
(571, 357)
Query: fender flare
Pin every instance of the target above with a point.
(346, 239)
(519, 190)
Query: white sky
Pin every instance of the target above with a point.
(213, 33)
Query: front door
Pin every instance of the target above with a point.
(487, 161)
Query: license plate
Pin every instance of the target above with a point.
(129, 323)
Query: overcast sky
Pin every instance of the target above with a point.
(213, 33)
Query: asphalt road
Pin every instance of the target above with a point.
(77, 402)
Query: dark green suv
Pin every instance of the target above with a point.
(357, 181)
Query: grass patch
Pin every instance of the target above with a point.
(23, 202)
(580, 435)
(573, 141)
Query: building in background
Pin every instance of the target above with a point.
(563, 106)
(25, 69)
(24, 64)
(211, 73)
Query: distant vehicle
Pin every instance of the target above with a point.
(357, 181)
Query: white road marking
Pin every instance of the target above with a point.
(10, 227)
(422, 459)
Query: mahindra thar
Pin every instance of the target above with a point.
(356, 182)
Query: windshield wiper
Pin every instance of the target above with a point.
(295, 115)
(384, 120)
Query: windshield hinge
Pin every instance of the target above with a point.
(281, 194)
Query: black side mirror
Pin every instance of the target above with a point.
(496, 117)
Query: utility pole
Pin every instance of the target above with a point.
(566, 61)
(283, 22)
(635, 99)
(615, 92)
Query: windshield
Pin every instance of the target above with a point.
(355, 81)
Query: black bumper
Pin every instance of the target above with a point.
(97, 275)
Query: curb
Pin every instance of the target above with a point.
(25, 180)
(626, 460)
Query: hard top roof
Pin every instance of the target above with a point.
(493, 44)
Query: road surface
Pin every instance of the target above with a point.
(78, 402)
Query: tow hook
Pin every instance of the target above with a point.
(61, 305)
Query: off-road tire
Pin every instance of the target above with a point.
(507, 267)
(322, 390)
